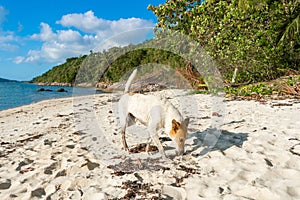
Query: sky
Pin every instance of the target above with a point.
(36, 35)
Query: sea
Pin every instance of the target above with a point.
(15, 94)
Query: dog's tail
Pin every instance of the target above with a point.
(129, 81)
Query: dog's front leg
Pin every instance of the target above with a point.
(149, 140)
(157, 142)
(155, 120)
(159, 145)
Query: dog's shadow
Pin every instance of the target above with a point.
(214, 140)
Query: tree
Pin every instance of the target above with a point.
(238, 34)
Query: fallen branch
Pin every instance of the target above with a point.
(238, 84)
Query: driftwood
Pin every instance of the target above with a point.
(192, 76)
(234, 75)
(291, 90)
(238, 84)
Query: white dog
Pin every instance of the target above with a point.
(155, 113)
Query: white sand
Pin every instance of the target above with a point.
(71, 149)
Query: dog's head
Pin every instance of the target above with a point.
(178, 134)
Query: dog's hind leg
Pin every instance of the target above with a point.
(123, 115)
(128, 121)
(125, 146)
(123, 132)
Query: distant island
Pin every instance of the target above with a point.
(6, 80)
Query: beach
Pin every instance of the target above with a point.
(71, 148)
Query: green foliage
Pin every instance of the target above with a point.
(108, 66)
(139, 57)
(240, 34)
(291, 81)
(248, 90)
(64, 73)
(283, 85)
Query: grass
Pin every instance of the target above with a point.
(289, 85)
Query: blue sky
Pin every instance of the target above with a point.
(36, 35)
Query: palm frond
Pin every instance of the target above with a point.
(292, 31)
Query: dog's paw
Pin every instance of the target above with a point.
(165, 158)
(126, 149)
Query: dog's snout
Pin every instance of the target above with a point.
(180, 152)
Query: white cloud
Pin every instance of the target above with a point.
(46, 33)
(3, 13)
(7, 42)
(89, 23)
(83, 32)
(19, 59)
(32, 56)
(59, 45)
(69, 36)
(7, 38)
(86, 22)
(20, 27)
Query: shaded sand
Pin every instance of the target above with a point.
(71, 149)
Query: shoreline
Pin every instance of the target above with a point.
(53, 84)
(37, 102)
(27, 93)
(71, 148)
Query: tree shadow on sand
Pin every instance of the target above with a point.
(215, 139)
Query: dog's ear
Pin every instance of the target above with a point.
(175, 125)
